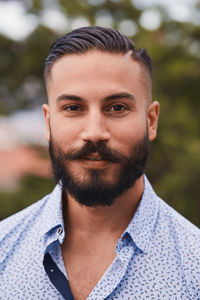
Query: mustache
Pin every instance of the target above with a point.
(100, 147)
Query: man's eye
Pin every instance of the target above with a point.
(71, 108)
(118, 108)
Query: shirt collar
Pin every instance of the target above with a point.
(143, 222)
(52, 216)
(140, 228)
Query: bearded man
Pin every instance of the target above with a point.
(102, 233)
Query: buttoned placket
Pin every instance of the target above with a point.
(56, 276)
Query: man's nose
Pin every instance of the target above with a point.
(95, 128)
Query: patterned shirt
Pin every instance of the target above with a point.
(157, 256)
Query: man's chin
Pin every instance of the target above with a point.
(92, 176)
(98, 191)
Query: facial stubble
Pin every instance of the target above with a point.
(96, 190)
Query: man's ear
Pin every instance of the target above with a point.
(45, 108)
(152, 118)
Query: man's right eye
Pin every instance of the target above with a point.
(71, 108)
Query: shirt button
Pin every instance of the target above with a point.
(124, 237)
(60, 230)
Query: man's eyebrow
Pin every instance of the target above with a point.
(68, 97)
(107, 98)
(120, 96)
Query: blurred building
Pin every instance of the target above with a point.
(22, 140)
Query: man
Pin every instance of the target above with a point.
(102, 233)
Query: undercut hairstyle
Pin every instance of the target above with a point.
(87, 39)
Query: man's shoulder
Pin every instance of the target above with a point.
(181, 233)
(168, 223)
(19, 219)
(176, 242)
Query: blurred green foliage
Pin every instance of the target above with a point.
(32, 188)
(174, 164)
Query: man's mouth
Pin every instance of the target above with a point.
(94, 158)
(94, 161)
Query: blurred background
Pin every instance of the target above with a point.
(168, 29)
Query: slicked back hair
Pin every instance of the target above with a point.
(86, 39)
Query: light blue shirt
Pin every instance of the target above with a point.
(157, 257)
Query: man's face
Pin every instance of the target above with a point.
(99, 123)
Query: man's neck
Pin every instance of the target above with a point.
(102, 220)
(89, 246)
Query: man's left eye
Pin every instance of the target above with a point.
(118, 107)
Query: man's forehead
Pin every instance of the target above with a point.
(103, 60)
(93, 66)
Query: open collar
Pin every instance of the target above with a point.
(52, 217)
(140, 228)
(144, 220)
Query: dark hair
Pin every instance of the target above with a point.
(85, 39)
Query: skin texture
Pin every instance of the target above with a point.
(97, 97)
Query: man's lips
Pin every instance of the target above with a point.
(98, 158)
(94, 161)
(94, 158)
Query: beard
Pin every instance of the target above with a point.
(95, 189)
